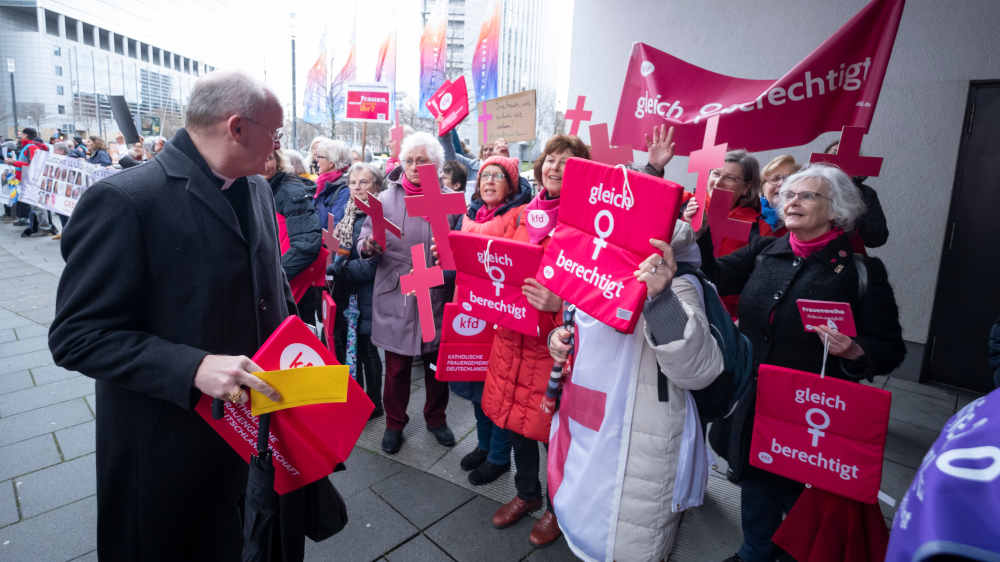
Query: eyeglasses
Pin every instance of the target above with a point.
(495, 176)
(726, 178)
(776, 180)
(789, 196)
(416, 162)
(359, 182)
(276, 134)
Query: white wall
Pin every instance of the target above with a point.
(940, 47)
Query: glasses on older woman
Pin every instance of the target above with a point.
(496, 176)
(788, 196)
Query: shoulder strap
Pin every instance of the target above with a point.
(862, 269)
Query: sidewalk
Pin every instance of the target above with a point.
(416, 505)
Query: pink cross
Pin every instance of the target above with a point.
(419, 282)
(719, 223)
(586, 406)
(601, 149)
(435, 207)
(707, 158)
(577, 115)
(484, 118)
(848, 157)
(396, 136)
(373, 208)
(329, 240)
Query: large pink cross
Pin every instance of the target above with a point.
(707, 158)
(848, 157)
(586, 406)
(485, 118)
(719, 223)
(419, 282)
(435, 207)
(601, 149)
(373, 208)
(329, 240)
(396, 136)
(577, 115)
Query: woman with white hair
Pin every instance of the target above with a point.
(395, 320)
(813, 261)
(333, 158)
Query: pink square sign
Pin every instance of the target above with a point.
(833, 314)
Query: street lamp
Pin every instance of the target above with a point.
(295, 129)
(13, 93)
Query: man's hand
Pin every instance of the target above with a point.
(661, 147)
(222, 376)
(540, 297)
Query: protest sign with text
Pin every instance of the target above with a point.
(308, 441)
(368, 102)
(56, 182)
(509, 117)
(836, 315)
(466, 341)
(450, 103)
(490, 274)
(837, 84)
(822, 431)
(606, 219)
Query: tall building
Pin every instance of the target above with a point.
(68, 57)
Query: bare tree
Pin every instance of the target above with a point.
(34, 112)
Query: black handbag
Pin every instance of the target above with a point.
(730, 437)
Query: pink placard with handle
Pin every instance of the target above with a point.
(837, 315)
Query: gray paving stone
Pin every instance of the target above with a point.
(896, 383)
(26, 456)
(7, 335)
(896, 479)
(38, 358)
(89, 557)
(11, 320)
(8, 505)
(363, 469)
(39, 396)
(906, 443)
(9, 382)
(91, 403)
(556, 552)
(77, 440)
(964, 397)
(42, 315)
(61, 534)
(420, 497)
(373, 528)
(418, 549)
(56, 486)
(921, 410)
(43, 420)
(25, 332)
(711, 531)
(21, 347)
(466, 534)
(52, 373)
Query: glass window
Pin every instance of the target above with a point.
(58, 70)
(59, 90)
(61, 109)
(57, 51)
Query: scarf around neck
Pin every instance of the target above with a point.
(486, 215)
(540, 216)
(769, 213)
(408, 186)
(344, 230)
(804, 249)
(325, 178)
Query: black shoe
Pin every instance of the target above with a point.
(52, 230)
(443, 435)
(486, 473)
(376, 413)
(733, 558)
(473, 459)
(27, 232)
(392, 440)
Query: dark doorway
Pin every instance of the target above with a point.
(967, 301)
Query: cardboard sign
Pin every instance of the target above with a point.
(606, 218)
(822, 431)
(368, 102)
(451, 103)
(511, 117)
(466, 341)
(309, 441)
(836, 315)
(490, 274)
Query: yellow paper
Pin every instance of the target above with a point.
(301, 387)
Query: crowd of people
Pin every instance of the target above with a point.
(811, 226)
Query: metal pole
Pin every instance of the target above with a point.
(295, 127)
(364, 139)
(13, 102)
(97, 101)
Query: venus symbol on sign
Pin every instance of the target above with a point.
(600, 242)
(816, 429)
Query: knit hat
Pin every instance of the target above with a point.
(30, 132)
(509, 166)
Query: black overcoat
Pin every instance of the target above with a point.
(159, 274)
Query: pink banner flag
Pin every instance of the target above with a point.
(838, 84)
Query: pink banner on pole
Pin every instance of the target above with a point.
(491, 272)
(466, 342)
(836, 315)
(606, 218)
(820, 430)
(836, 84)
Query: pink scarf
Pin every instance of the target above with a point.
(408, 186)
(804, 249)
(321, 181)
(485, 215)
(540, 216)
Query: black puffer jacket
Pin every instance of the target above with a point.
(293, 200)
(354, 275)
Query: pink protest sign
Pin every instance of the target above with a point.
(703, 161)
(329, 320)
(368, 103)
(451, 103)
(490, 274)
(577, 115)
(308, 441)
(464, 354)
(836, 315)
(373, 208)
(435, 207)
(848, 157)
(330, 242)
(606, 218)
(419, 282)
(836, 84)
(721, 226)
(601, 149)
(822, 431)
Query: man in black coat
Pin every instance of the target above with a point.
(173, 279)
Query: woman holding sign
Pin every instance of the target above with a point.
(814, 261)
(519, 365)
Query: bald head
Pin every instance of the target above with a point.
(219, 95)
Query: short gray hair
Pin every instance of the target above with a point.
(298, 166)
(845, 199)
(60, 148)
(337, 152)
(373, 170)
(426, 140)
(219, 95)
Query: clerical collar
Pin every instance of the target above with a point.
(226, 182)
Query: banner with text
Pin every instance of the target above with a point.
(368, 102)
(838, 84)
(450, 103)
(820, 430)
(509, 117)
(466, 341)
(56, 182)
(606, 218)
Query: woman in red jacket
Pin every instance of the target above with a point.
(519, 365)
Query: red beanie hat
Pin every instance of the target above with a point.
(509, 165)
